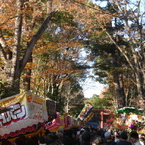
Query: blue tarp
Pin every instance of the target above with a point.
(93, 124)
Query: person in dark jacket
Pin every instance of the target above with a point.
(21, 140)
(86, 138)
(123, 140)
(67, 138)
(5, 142)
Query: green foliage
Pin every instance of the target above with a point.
(129, 110)
(63, 18)
(5, 90)
(76, 109)
(109, 63)
(100, 103)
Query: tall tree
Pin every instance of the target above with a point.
(111, 66)
(54, 64)
(125, 33)
(131, 16)
(18, 42)
(73, 95)
(11, 33)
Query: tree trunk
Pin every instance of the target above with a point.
(13, 67)
(15, 70)
(120, 95)
(27, 75)
(119, 88)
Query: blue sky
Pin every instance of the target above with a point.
(90, 86)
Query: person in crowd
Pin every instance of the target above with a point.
(51, 138)
(5, 142)
(92, 132)
(35, 138)
(21, 140)
(68, 138)
(57, 142)
(134, 138)
(77, 135)
(142, 138)
(117, 137)
(59, 135)
(100, 132)
(86, 138)
(124, 138)
(79, 141)
(41, 140)
(30, 141)
(109, 139)
(97, 140)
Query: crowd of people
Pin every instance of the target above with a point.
(81, 136)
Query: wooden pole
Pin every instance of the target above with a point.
(102, 119)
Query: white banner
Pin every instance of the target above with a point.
(27, 109)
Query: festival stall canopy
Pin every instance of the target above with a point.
(130, 110)
(23, 114)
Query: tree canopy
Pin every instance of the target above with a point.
(41, 42)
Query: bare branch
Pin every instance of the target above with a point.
(120, 50)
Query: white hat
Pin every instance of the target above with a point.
(82, 129)
(107, 135)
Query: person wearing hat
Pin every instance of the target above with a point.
(109, 140)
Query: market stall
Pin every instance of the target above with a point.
(129, 118)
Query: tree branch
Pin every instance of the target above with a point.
(34, 40)
(7, 20)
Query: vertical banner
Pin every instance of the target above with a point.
(84, 112)
(89, 117)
